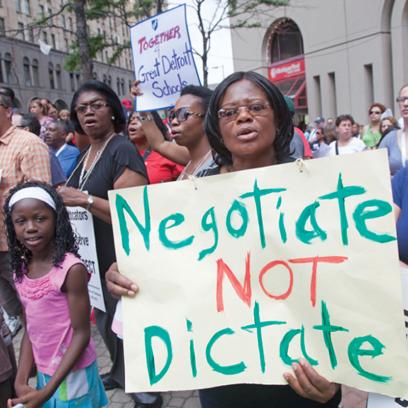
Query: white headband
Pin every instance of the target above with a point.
(32, 192)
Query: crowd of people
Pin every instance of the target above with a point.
(51, 158)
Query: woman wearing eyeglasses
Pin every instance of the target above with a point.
(371, 132)
(396, 141)
(110, 162)
(159, 169)
(249, 125)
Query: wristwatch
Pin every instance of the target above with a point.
(90, 201)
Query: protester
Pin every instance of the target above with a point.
(64, 114)
(55, 138)
(30, 123)
(320, 147)
(159, 169)
(371, 132)
(248, 126)
(7, 364)
(345, 143)
(396, 140)
(23, 157)
(40, 111)
(52, 283)
(52, 111)
(110, 162)
(387, 124)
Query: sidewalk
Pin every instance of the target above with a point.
(184, 399)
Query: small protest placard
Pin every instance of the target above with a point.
(163, 58)
(244, 273)
(82, 224)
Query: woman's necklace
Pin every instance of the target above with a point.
(83, 177)
(190, 170)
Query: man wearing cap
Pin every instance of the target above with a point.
(23, 157)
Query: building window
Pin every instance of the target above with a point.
(21, 32)
(36, 77)
(118, 86)
(45, 37)
(106, 56)
(72, 81)
(122, 86)
(2, 26)
(26, 7)
(51, 75)
(78, 79)
(18, 6)
(109, 80)
(53, 41)
(286, 41)
(318, 94)
(104, 78)
(42, 11)
(58, 75)
(30, 34)
(27, 72)
(63, 22)
(8, 68)
(1, 69)
(332, 94)
(369, 84)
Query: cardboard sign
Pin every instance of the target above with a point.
(244, 273)
(163, 58)
(82, 224)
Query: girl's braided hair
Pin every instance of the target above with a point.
(64, 237)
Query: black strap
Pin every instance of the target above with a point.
(337, 148)
(147, 153)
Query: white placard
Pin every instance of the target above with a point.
(82, 224)
(163, 58)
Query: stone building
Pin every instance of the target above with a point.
(26, 69)
(330, 56)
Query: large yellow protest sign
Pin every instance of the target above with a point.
(244, 273)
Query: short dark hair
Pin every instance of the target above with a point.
(6, 91)
(343, 118)
(30, 121)
(119, 121)
(200, 92)
(6, 100)
(283, 116)
(157, 120)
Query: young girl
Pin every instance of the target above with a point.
(52, 284)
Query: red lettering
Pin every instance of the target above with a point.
(315, 260)
(269, 266)
(141, 42)
(244, 292)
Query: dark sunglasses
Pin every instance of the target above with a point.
(375, 112)
(182, 114)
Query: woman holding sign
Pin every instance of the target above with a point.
(248, 125)
(110, 162)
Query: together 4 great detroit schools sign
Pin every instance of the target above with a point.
(163, 58)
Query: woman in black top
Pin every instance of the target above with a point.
(249, 125)
(110, 162)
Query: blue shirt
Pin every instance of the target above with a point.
(67, 156)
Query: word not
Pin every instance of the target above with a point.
(358, 347)
(145, 44)
(306, 226)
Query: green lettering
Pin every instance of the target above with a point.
(258, 325)
(157, 331)
(327, 328)
(242, 211)
(193, 361)
(309, 213)
(223, 369)
(208, 225)
(341, 194)
(362, 214)
(122, 206)
(173, 220)
(355, 350)
(257, 193)
(285, 343)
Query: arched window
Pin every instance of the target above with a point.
(286, 41)
(51, 75)
(34, 67)
(72, 81)
(122, 86)
(8, 68)
(27, 72)
(58, 74)
(110, 81)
